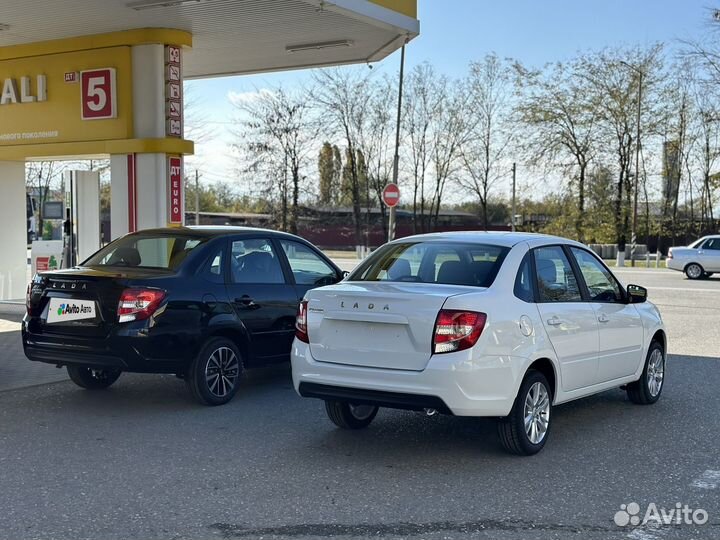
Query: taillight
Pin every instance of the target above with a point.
(138, 304)
(301, 331)
(457, 330)
(670, 254)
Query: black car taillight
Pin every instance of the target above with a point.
(301, 330)
(138, 304)
(457, 330)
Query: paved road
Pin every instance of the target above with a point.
(141, 460)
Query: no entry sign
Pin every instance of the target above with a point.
(391, 195)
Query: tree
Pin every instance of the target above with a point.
(559, 116)
(279, 136)
(342, 96)
(377, 144)
(486, 147)
(326, 174)
(423, 103)
(614, 78)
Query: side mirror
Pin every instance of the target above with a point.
(345, 274)
(636, 294)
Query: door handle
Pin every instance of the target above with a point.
(246, 302)
(554, 321)
(603, 318)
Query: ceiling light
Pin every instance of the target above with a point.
(149, 4)
(318, 46)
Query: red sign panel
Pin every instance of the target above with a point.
(175, 190)
(42, 264)
(98, 94)
(391, 195)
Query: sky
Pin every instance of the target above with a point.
(456, 32)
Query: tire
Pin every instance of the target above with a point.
(93, 379)
(214, 376)
(694, 271)
(707, 275)
(648, 388)
(516, 438)
(348, 416)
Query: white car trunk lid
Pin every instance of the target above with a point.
(376, 324)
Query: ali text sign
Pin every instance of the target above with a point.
(42, 102)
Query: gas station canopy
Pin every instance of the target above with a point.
(85, 78)
(229, 36)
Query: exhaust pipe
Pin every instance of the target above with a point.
(431, 412)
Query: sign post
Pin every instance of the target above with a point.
(391, 198)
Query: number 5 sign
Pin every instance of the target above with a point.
(98, 94)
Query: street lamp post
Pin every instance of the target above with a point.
(633, 234)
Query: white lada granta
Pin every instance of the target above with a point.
(503, 325)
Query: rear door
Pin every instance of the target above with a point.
(619, 325)
(570, 321)
(262, 295)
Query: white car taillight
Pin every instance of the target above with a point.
(457, 330)
(138, 304)
(301, 330)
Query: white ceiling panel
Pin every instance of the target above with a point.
(229, 36)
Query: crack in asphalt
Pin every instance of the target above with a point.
(381, 530)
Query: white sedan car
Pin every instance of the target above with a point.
(477, 324)
(698, 260)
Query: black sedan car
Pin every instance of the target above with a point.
(200, 302)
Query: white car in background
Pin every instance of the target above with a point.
(698, 260)
(477, 324)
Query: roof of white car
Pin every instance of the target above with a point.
(498, 238)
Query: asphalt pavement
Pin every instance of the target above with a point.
(142, 460)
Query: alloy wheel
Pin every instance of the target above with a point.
(694, 271)
(221, 371)
(537, 413)
(655, 372)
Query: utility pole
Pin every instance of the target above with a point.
(633, 233)
(633, 236)
(396, 160)
(197, 197)
(512, 217)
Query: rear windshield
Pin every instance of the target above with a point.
(145, 251)
(450, 263)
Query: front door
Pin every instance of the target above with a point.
(621, 330)
(263, 297)
(709, 255)
(569, 321)
(309, 268)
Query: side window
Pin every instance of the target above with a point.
(523, 281)
(253, 260)
(306, 265)
(603, 287)
(712, 244)
(213, 269)
(555, 277)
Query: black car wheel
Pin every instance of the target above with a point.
(526, 429)
(694, 271)
(214, 375)
(648, 388)
(92, 379)
(350, 416)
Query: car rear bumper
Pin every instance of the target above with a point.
(135, 353)
(676, 264)
(463, 383)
